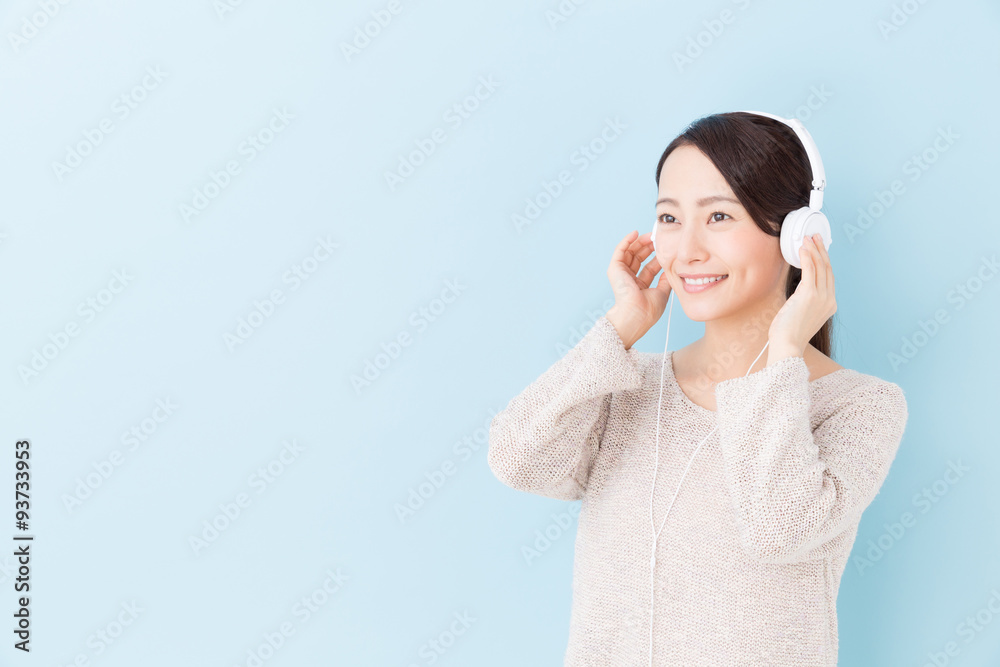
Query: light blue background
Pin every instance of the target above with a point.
(523, 296)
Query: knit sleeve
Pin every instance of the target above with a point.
(547, 437)
(795, 489)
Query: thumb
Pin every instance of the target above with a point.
(662, 284)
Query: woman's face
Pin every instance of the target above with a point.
(701, 228)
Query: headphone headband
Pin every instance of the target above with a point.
(815, 163)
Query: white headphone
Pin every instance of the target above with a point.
(797, 225)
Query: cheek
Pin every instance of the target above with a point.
(751, 252)
(755, 262)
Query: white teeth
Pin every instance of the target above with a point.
(703, 281)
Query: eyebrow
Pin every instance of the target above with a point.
(701, 202)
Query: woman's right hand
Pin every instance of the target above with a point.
(637, 305)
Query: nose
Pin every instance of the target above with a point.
(690, 245)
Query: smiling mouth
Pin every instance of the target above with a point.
(705, 281)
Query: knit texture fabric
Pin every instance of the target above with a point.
(749, 562)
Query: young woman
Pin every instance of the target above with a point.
(779, 453)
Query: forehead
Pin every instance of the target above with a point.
(689, 175)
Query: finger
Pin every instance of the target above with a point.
(646, 241)
(827, 267)
(818, 280)
(808, 265)
(635, 253)
(622, 248)
(649, 272)
(818, 264)
(818, 268)
(663, 284)
(639, 253)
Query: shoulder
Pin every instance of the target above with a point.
(854, 387)
(866, 400)
(851, 395)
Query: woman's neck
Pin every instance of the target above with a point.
(729, 347)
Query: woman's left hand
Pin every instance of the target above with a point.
(810, 306)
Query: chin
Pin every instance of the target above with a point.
(702, 309)
(703, 312)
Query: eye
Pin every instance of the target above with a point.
(662, 218)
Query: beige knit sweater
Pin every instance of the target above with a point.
(749, 562)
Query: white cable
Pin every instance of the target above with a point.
(652, 523)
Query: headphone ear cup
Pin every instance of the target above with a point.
(790, 231)
(799, 224)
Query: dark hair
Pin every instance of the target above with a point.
(767, 167)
